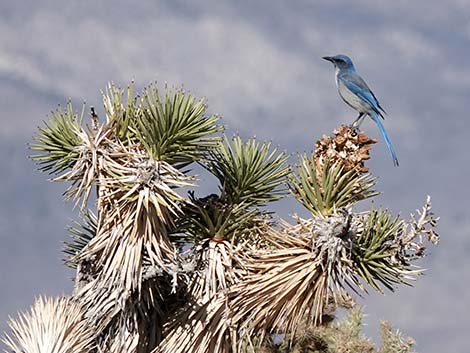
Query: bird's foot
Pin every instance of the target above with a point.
(354, 130)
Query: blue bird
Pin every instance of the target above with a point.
(355, 92)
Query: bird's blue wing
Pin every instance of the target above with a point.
(358, 86)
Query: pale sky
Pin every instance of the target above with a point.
(259, 66)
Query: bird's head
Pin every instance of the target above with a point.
(340, 61)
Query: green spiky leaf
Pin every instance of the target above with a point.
(58, 140)
(251, 173)
(123, 115)
(211, 218)
(82, 233)
(323, 191)
(376, 252)
(175, 129)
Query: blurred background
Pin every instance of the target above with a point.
(259, 66)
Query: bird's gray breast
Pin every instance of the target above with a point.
(350, 98)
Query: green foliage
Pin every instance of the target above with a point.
(122, 116)
(249, 173)
(324, 190)
(174, 129)
(375, 251)
(58, 141)
(81, 234)
(211, 218)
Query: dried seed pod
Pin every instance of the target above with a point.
(346, 145)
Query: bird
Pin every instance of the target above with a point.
(356, 93)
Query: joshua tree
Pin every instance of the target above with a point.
(158, 271)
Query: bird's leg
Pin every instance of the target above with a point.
(361, 120)
(358, 120)
(357, 123)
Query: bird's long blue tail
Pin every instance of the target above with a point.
(391, 149)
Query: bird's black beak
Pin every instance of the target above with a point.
(328, 58)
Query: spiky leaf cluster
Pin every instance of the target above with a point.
(335, 175)
(374, 247)
(174, 129)
(82, 233)
(58, 140)
(53, 325)
(251, 174)
(212, 218)
(386, 246)
(122, 115)
(330, 188)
